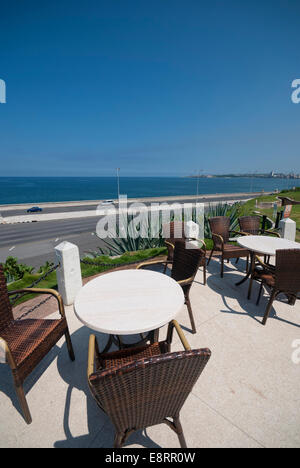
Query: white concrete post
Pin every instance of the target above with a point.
(191, 230)
(68, 274)
(287, 229)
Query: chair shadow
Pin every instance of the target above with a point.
(7, 384)
(230, 290)
(100, 430)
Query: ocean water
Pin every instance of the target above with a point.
(54, 189)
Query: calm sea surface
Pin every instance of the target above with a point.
(54, 189)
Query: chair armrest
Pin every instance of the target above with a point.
(6, 354)
(274, 233)
(51, 292)
(156, 262)
(240, 233)
(171, 247)
(264, 265)
(186, 281)
(93, 355)
(169, 244)
(174, 324)
(219, 237)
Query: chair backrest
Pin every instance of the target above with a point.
(287, 270)
(250, 224)
(6, 315)
(173, 230)
(186, 261)
(220, 225)
(144, 392)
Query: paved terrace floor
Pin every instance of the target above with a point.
(248, 395)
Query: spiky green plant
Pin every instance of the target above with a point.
(141, 236)
(131, 237)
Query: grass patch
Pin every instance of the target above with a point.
(209, 244)
(249, 207)
(128, 257)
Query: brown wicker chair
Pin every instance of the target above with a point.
(250, 225)
(185, 265)
(145, 386)
(26, 342)
(173, 232)
(220, 231)
(283, 278)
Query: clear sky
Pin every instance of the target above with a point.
(160, 87)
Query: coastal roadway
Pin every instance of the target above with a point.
(63, 207)
(33, 243)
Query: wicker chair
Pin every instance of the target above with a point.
(26, 342)
(173, 232)
(250, 225)
(220, 231)
(185, 265)
(145, 386)
(283, 278)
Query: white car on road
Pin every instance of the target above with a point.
(107, 202)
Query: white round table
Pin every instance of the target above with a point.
(262, 245)
(129, 302)
(266, 245)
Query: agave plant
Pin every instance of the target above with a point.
(131, 236)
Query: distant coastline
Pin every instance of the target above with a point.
(272, 175)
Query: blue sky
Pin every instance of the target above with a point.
(156, 88)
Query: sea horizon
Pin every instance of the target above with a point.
(17, 190)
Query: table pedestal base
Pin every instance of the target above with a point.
(249, 272)
(152, 336)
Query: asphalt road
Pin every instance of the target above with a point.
(82, 207)
(58, 209)
(33, 243)
(12, 234)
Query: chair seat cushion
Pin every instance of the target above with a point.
(235, 251)
(269, 279)
(266, 276)
(119, 358)
(31, 339)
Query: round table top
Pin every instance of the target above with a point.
(266, 245)
(128, 302)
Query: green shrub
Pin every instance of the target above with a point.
(14, 271)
